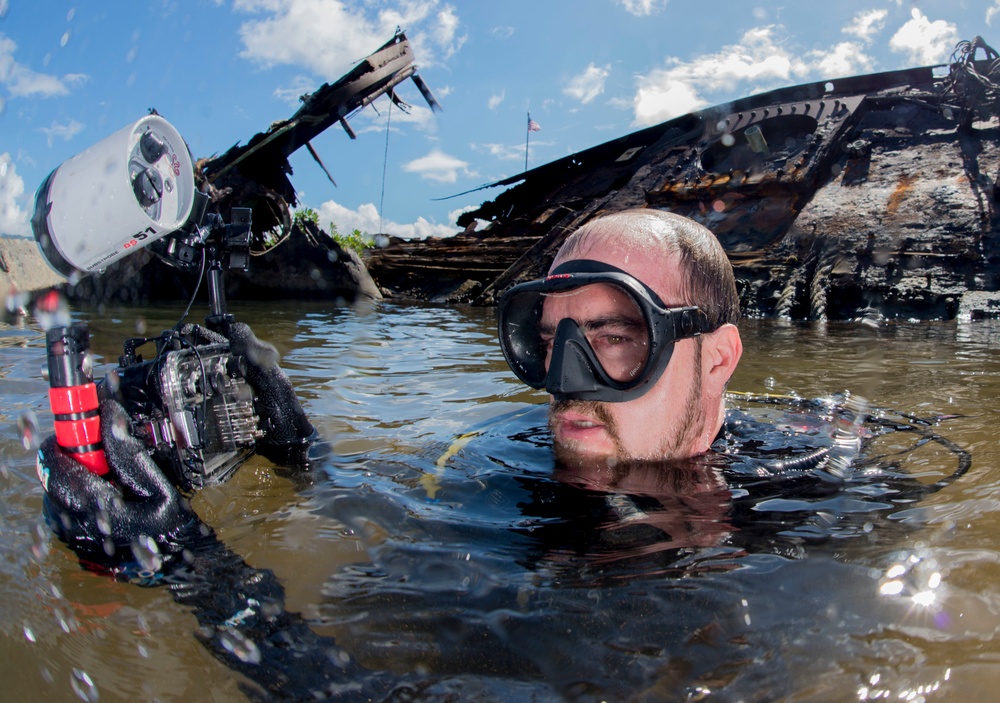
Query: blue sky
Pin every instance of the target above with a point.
(587, 70)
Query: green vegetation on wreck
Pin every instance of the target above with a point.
(357, 240)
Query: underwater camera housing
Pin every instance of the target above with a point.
(191, 404)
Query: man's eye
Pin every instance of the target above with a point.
(613, 339)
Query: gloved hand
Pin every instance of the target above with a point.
(123, 514)
(288, 434)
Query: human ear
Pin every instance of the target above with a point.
(721, 352)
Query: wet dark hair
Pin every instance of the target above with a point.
(709, 280)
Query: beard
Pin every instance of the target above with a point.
(675, 438)
(570, 453)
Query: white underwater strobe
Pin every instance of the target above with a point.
(113, 199)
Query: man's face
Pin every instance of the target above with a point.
(663, 423)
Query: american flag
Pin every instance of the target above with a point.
(533, 126)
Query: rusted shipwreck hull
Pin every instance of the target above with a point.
(874, 194)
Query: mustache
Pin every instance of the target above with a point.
(586, 407)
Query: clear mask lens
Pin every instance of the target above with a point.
(611, 322)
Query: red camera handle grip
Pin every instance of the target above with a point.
(73, 396)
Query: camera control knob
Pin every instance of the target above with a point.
(151, 147)
(148, 187)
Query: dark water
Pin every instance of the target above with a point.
(476, 571)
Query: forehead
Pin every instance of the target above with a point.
(658, 269)
(596, 300)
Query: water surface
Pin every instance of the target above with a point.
(476, 568)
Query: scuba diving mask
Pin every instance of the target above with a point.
(613, 346)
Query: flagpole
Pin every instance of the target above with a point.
(527, 136)
(532, 127)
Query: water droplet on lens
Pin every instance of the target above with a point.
(16, 302)
(242, 648)
(27, 427)
(147, 553)
(120, 428)
(52, 310)
(113, 382)
(87, 365)
(83, 686)
(40, 542)
(103, 523)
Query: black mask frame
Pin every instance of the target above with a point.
(575, 373)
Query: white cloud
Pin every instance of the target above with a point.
(445, 32)
(642, 8)
(924, 42)
(661, 97)
(505, 32)
(454, 214)
(991, 11)
(21, 81)
(64, 131)
(589, 84)
(677, 89)
(759, 61)
(438, 166)
(300, 85)
(844, 59)
(366, 219)
(494, 102)
(13, 220)
(330, 36)
(867, 24)
(504, 152)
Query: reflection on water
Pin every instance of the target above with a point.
(812, 557)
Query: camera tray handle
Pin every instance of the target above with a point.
(230, 248)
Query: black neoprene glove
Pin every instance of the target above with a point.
(133, 511)
(133, 524)
(288, 434)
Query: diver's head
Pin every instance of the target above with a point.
(633, 334)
